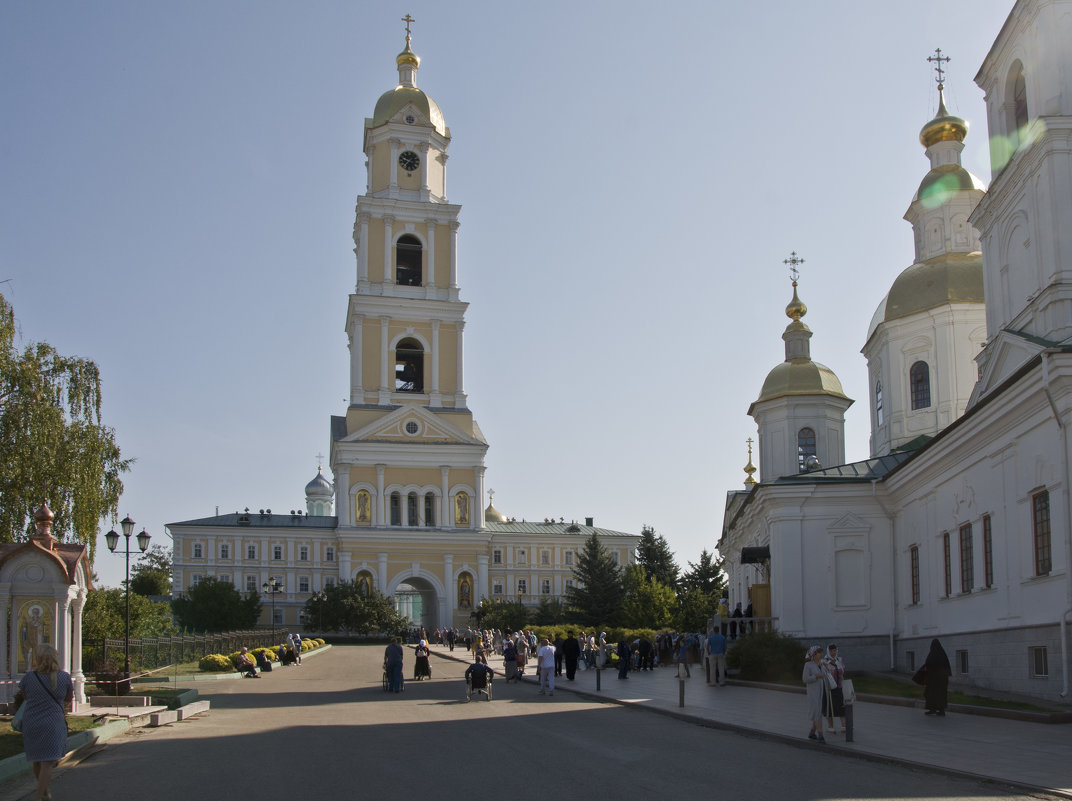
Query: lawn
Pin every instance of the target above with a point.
(11, 741)
(883, 685)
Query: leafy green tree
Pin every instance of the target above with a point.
(648, 602)
(597, 595)
(701, 588)
(52, 441)
(214, 605)
(152, 574)
(550, 612)
(506, 616)
(706, 575)
(104, 615)
(346, 608)
(654, 555)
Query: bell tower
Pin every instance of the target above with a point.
(408, 453)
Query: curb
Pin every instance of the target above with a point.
(78, 745)
(215, 676)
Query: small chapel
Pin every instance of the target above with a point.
(959, 524)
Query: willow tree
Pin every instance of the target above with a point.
(52, 441)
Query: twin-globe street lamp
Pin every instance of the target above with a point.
(112, 538)
(319, 598)
(273, 587)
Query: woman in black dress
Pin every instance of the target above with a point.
(936, 680)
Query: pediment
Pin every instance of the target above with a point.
(412, 424)
(1004, 355)
(849, 523)
(411, 110)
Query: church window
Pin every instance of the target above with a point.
(429, 509)
(497, 587)
(545, 557)
(496, 557)
(408, 252)
(919, 380)
(1019, 103)
(303, 584)
(961, 659)
(411, 510)
(409, 366)
(988, 553)
(568, 558)
(329, 582)
(947, 562)
(277, 617)
(1041, 526)
(967, 559)
(522, 556)
(277, 553)
(224, 577)
(522, 586)
(616, 556)
(545, 587)
(195, 579)
(805, 447)
(225, 551)
(251, 583)
(913, 558)
(1040, 667)
(396, 509)
(198, 551)
(251, 552)
(303, 553)
(329, 554)
(878, 403)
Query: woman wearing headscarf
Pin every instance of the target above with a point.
(48, 692)
(814, 678)
(421, 668)
(936, 673)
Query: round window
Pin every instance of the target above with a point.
(413, 427)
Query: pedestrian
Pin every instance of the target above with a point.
(392, 663)
(545, 667)
(936, 672)
(47, 692)
(834, 701)
(814, 678)
(716, 655)
(624, 653)
(558, 653)
(295, 642)
(683, 656)
(646, 654)
(571, 655)
(601, 660)
(735, 622)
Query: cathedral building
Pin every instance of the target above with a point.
(959, 525)
(407, 456)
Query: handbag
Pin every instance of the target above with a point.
(848, 692)
(16, 722)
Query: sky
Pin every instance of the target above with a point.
(177, 191)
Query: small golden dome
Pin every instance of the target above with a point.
(796, 308)
(800, 377)
(407, 56)
(945, 127)
(493, 515)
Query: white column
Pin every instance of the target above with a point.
(381, 506)
(454, 226)
(368, 178)
(342, 494)
(76, 648)
(435, 396)
(430, 259)
(442, 157)
(362, 247)
(62, 628)
(385, 360)
(388, 241)
(481, 590)
(393, 165)
(449, 584)
(357, 390)
(478, 513)
(381, 568)
(459, 390)
(423, 147)
(447, 515)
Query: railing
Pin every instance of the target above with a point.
(741, 626)
(147, 653)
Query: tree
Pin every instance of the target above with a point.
(506, 616)
(648, 602)
(655, 556)
(347, 608)
(701, 588)
(597, 594)
(52, 441)
(705, 575)
(152, 574)
(104, 615)
(214, 605)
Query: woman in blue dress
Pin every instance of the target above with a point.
(48, 692)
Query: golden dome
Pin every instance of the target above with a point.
(940, 184)
(407, 56)
(796, 308)
(943, 128)
(392, 102)
(493, 515)
(800, 377)
(949, 278)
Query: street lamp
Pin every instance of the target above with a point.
(273, 587)
(320, 597)
(143, 543)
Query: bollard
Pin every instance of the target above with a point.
(681, 692)
(848, 722)
(708, 661)
(599, 673)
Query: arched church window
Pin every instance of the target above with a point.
(919, 382)
(805, 447)
(878, 402)
(396, 509)
(408, 261)
(429, 509)
(1019, 101)
(411, 510)
(409, 366)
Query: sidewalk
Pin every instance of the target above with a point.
(1033, 755)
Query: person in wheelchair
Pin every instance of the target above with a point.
(478, 677)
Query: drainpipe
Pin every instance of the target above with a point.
(1064, 621)
(893, 571)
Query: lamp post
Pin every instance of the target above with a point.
(320, 597)
(273, 587)
(112, 537)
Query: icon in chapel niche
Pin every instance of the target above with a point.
(364, 506)
(363, 587)
(35, 626)
(465, 592)
(461, 509)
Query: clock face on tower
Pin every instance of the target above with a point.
(409, 161)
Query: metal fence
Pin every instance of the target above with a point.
(149, 653)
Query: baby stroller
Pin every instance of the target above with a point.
(478, 682)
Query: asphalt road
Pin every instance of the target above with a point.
(327, 730)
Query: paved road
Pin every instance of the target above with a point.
(327, 730)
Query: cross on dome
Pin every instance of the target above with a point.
(793, 261)
(408, 19)
(937, 60)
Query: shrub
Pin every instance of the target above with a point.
(767, 656)
(256, 652)
(215, 663)
(320, 642)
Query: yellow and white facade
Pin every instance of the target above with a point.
(407, 455)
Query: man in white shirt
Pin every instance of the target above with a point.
(545, 662)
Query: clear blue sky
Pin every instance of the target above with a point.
(178, 198)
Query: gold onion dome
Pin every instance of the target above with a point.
(407, 56)
(493, 515)
(945, 127)
(796, 308)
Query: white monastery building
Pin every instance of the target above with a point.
(407, 456)
(958, 526)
